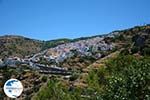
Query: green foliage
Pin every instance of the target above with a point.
(121, 37)
(53, 43)
(55, 90)
(123, 78)
(125, 51)
(118, 37)
(44, 78)
(135, 49)
(74, 77)
(146, 51)
(129, 79)
(93, 79)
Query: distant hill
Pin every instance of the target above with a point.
(11, 45)
(53, 43)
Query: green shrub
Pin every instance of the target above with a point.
(123, 78)
(119, 37)
(44, 78)
(56, 91)
(135, 49)
(129, 79)
(146, 51)
(74, 77)
(125, 51)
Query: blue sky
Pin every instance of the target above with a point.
(52, 19)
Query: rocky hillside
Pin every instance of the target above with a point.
(134, 40)
(12, 45)
(18, 46)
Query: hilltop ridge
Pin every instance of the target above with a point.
(15, 45)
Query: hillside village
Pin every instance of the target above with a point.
(60, 53)
(95, 47)
(71, 62)
(52, 58)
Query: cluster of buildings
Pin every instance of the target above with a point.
(84, 47)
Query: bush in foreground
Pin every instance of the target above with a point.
(123, 78)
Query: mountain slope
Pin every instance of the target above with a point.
(18, 46)
(12, 45)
